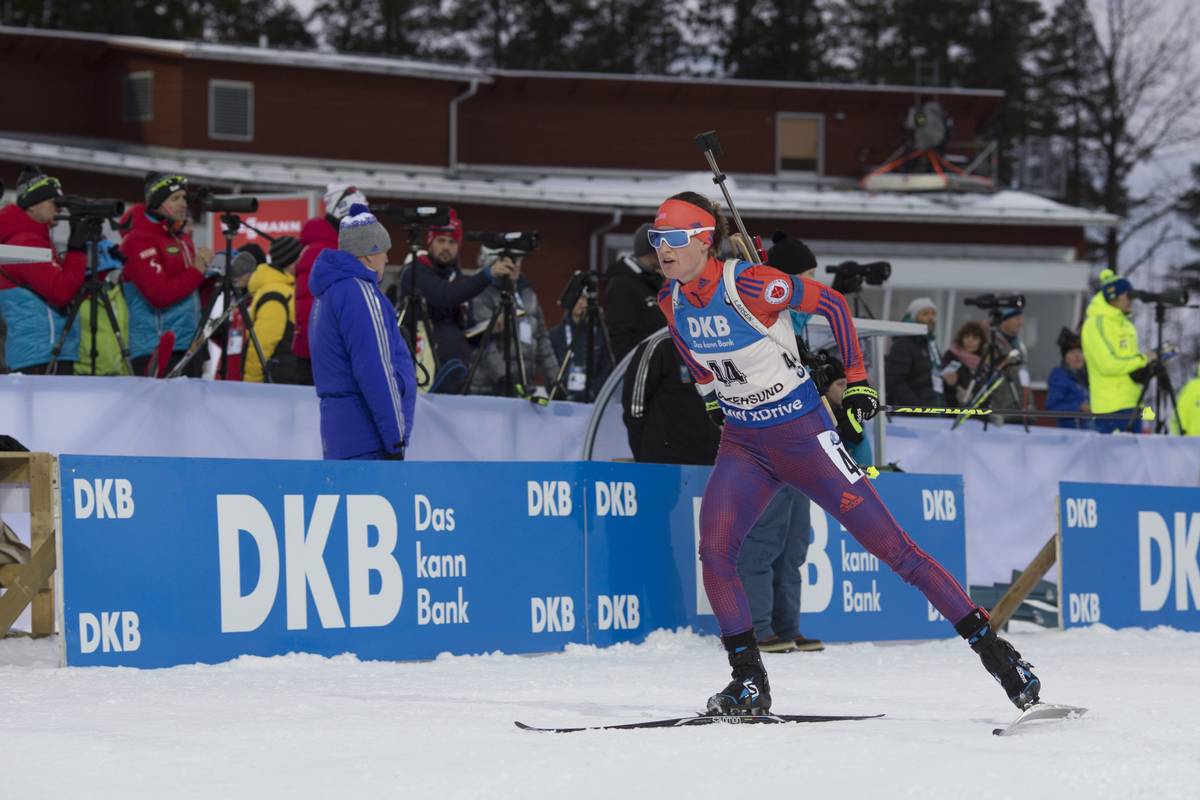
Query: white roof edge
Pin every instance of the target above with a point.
(315, 59)
(308, 59)
(748, 83)
(594, 196)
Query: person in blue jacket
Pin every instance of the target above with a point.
(1067, 385)
(362, 369)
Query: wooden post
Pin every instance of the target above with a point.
(27, 584)
(1025, 582)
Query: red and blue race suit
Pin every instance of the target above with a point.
(777, 429)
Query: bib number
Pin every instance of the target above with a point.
(833, 446)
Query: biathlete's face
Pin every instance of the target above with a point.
(682, 237)
(683, 264)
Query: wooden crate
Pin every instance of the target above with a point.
(31, 584)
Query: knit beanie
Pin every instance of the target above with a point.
(284, 251)
(918, 305)
(33, 187)
(791, 256)
(360, 234)
(454, 229)
(641, 241)
(1113, 285)
(259, 256)
(160, 186)
(340, 196)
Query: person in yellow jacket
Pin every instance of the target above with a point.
(273, 310)
(1115, 367)
(1188, 406)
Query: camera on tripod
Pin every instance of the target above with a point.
(203, 199)
(76, 206)
(996, 304)
(419, 217)
(849, 276)
(579, 283)
(514, 244)
(1169, 297)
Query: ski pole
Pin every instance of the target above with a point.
(1146, 413)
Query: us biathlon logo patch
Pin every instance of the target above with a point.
(778, 291)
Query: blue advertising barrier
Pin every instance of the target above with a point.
(1129, 555)
(173, 561)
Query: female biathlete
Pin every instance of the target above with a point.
(728, 320)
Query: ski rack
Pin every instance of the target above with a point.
(29, 584)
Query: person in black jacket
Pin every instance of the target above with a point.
(664, 416)
(631, 298)
(447, 292)
(908, 368)
(574, 330)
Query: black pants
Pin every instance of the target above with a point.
(61, 368)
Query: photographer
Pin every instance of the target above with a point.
(317, 234)
(1110, 349)
(163, 272)
(34, 297)
(109, 361)
(631, 296)
(273, 311)
(909, 366)
(1068, 382)
(536, 352)
(1188, 406)
(1007, 358)
(448, 292)
(574, 329)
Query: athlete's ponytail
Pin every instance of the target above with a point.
(700, 201)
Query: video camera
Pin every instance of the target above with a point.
(517, 243)
(1169, 297)
(994, 304)
(849, 276)
(203, 199)
(76, 206)
(579, 283)
(419, 217)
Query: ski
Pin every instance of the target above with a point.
(1040, 711)
(704, 719)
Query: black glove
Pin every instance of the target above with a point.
(83, 230)
(396, 456)
(861, 403)
(845, 429)
(712, 407)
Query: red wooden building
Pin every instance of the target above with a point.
(581, 158)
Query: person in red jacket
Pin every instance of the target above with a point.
(317, 234)
(163, 272)
(34, 297)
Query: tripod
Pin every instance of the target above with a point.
(412, 313)
(988, 378)
(1158, 373)
(860, 305)
(510, 341)
(230, 223)
(95, 294)
(593, 322)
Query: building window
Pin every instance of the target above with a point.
(137, 97)
(231, 110)
(801, 143)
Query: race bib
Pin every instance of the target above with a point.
(577, 380)
(835, 449)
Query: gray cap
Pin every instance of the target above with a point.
(641, 242)
(360, 234)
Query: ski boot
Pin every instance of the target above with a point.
(749, 693)
(1000, 659)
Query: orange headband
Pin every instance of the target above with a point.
(682, 214)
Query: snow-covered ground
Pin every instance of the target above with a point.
(303, 726)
